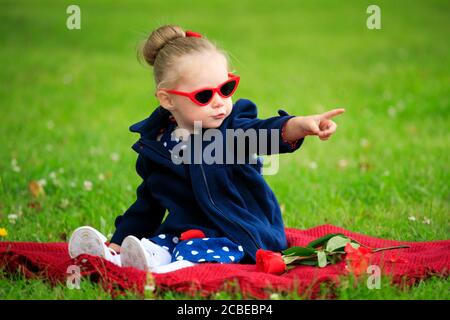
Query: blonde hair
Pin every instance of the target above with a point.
(168, 43)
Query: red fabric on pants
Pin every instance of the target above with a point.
(51, 260)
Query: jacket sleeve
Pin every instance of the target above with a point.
(144, 216)
(245, 117)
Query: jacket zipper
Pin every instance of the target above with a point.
(211, 199)
(233, 222)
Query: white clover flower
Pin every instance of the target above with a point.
(64, 203)
(343, 163)
(274, 296)
(87, 185)
(14, 165)
(312, 165)
(364, 143)
(115, 156)
(12, 218)
(412, 218)
(149, 288)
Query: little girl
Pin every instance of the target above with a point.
(228, 207)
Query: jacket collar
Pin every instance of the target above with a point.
(150, 127)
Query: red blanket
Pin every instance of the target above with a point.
(406, 266)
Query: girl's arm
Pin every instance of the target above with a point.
(245, 117)
(290, 129)
(144, 216)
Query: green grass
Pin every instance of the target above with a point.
(68, 98)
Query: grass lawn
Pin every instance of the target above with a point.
(67, 98)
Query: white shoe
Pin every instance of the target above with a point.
(158, 255)
(87, 240)
(133, 254)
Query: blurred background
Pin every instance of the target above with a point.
(67, 98)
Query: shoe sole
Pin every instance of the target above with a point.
(173, 266)
(132, 254)
(87, 240)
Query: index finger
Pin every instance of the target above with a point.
(332, 113)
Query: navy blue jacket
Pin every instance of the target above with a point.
(230, 200)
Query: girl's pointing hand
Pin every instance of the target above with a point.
(319, 125)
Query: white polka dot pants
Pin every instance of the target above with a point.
(199, 250)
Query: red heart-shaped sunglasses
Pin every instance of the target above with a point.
(204, 96)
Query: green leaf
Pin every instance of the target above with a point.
(302, 261)
(294, 259)
(320, 241)
(308, 262)
(335, 257)
(299, 251)
(355, 245)
(321, 259)
(337, 242)
(289, 260)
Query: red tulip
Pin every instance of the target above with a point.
(269, 262)
(357, 258)
(191, 234)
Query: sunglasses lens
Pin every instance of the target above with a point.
(204, 96)
(227, 88)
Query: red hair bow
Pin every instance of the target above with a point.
(193, 34)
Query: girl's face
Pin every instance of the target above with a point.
(208, 69)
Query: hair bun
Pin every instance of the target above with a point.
(158, 39)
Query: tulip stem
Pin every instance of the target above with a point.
(390, 248)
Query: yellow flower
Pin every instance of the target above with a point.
(3, 232)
